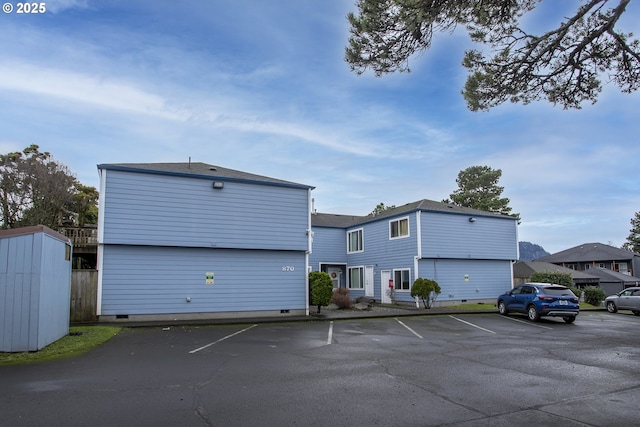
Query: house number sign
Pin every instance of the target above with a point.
(288, 268)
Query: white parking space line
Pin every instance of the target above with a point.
(410, 330)
(222, 339)
(330, 337)
(471, 324)
(525, 322)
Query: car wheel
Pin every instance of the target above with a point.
(636, 313)
(502, 308)
(532, 311)
(611, 307)
(569, 319)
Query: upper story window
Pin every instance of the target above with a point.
(399, 228)
(623, 268)
(355, 241)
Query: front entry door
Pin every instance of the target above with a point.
(385, 276)
(336, 276)
(368, 281)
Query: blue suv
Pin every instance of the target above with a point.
(540, 299)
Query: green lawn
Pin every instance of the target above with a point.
(79, 340)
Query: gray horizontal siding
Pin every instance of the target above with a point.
(146, 209)
(156, 280)
(454, 236)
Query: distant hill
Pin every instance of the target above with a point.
(530, 251)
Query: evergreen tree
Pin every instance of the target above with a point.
(633, 240)
(478, 188)
(564, 65)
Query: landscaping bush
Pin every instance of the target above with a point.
(555, 277)
(577, 291)
(341, 298)
(427, 289)
(321, 288)
(594, 296)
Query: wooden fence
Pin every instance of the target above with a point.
(84, 295)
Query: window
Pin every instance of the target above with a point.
(399, 228)
(354, 241)
(623, 268)
(401, 280)
(356, 277)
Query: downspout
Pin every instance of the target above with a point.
(102, 173)
(517, 252)
(418, 257)
(309, 250)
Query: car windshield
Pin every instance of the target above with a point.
(557, 290)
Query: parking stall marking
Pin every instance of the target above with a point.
(525, 322)
(471, 324)
(410, 330)
(222, 339)
(330, 337)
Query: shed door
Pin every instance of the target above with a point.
(368, 281)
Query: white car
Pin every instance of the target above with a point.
(628, 299)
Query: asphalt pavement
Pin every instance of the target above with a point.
(387, 366)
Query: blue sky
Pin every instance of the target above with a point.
(262, 87)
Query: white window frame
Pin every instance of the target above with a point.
(399, 236)
(350, 272)
(351, 250)
(397, 284)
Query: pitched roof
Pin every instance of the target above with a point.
(334, 220)
(613, 276)
(331, 220)
(199, 170)
(433, 206)
(527, 268)
(589, 252)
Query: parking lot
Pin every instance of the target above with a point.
(458, 369)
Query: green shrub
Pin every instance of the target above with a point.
(321, 288)
(341, 298)
(555, 277)
(594, 296)
(576, 291)
(427, 289)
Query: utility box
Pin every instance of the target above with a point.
(35, 287)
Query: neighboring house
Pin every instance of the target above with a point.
(523, 270)
(613, 282)
(596, 255)
(467, 251)
(192, 240)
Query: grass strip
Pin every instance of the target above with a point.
(79, 340)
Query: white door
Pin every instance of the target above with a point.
(368, 281)
(385, 276)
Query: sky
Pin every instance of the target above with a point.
(262, 87)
